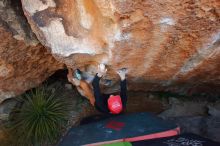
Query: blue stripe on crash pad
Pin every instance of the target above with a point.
(117, 127)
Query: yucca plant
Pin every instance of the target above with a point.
(39, 119)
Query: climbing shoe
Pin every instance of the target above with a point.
(77, 74)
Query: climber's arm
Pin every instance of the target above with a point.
(98, 96)
(96, 90)
(123, 92)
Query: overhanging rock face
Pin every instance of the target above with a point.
(24, 62)
(166, 45)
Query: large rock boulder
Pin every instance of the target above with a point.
(204, 126)
(166, 45)
(185, 108)
(24, 62)
(214, 109)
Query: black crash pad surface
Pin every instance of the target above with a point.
(117, 127)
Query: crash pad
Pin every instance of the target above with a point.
(186, 139)
(127, 127)
(119, 144)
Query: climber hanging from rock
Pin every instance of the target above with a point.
(105, 103)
